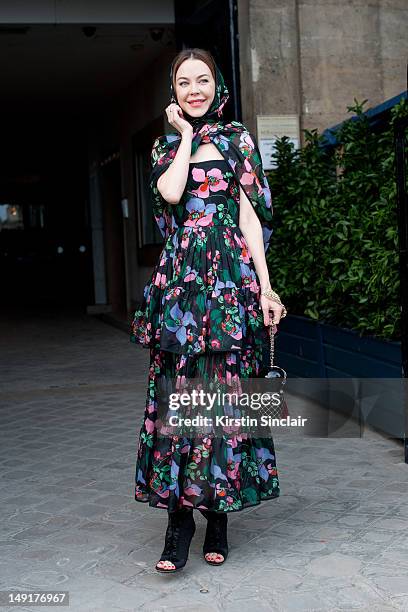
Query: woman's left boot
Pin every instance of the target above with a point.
(215, 548)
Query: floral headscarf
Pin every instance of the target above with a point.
(236, 144)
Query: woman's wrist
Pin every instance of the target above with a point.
(265, 285)
(187, 134)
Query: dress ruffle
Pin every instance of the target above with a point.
(221, 473)
(203, 295)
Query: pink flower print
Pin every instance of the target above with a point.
(254, 287)
(205, 137)
(249, 176)
(216, 180)
(246, 143)
(210, 181)
(233, 472)
(215, 343)
(175, 292)
(163, 494)
(160, 280)
(207, 442)
(149, 425)
(199, 213)
(196, 456)
(198, 175)
(191, 275)
(233, 442)
(185, 238)
(193, 490)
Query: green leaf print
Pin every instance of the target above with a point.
(200, 300)
(147, 439)
(216, 316)
(249, 496)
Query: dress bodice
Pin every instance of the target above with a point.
(211, 196)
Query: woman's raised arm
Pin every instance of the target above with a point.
(171, 183)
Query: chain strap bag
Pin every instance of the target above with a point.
(276, 407)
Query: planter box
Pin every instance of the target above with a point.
(314, 350)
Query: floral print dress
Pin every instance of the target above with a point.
(201, 317)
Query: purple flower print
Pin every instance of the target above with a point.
(199, 213)
(267, 193)
(223, 141)
(246, 275)
(264, 453)
(217, 472)
(192, 489)
(220, 285)
(181, 322)
(266, 235)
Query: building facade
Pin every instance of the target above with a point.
(85, 86)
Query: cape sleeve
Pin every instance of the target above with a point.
(240, 149)
(161, 158)
(260, 194)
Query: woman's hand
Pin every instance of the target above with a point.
(268, 305)
(175, 118)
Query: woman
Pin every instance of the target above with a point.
(206, 309)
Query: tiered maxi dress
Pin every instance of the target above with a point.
(201, 317)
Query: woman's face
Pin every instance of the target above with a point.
(195, 87)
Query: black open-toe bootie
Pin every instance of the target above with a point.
(215, 535)
(179, 533)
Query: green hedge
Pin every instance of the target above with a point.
(334, 250)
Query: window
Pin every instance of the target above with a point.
(11, 217)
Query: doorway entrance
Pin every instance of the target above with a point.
(45, 245)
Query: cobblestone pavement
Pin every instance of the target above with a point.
(72, 399)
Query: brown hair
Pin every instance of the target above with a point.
(201, 54)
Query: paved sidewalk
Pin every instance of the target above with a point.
(72, 398)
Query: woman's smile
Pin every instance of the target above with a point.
(196, 102)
